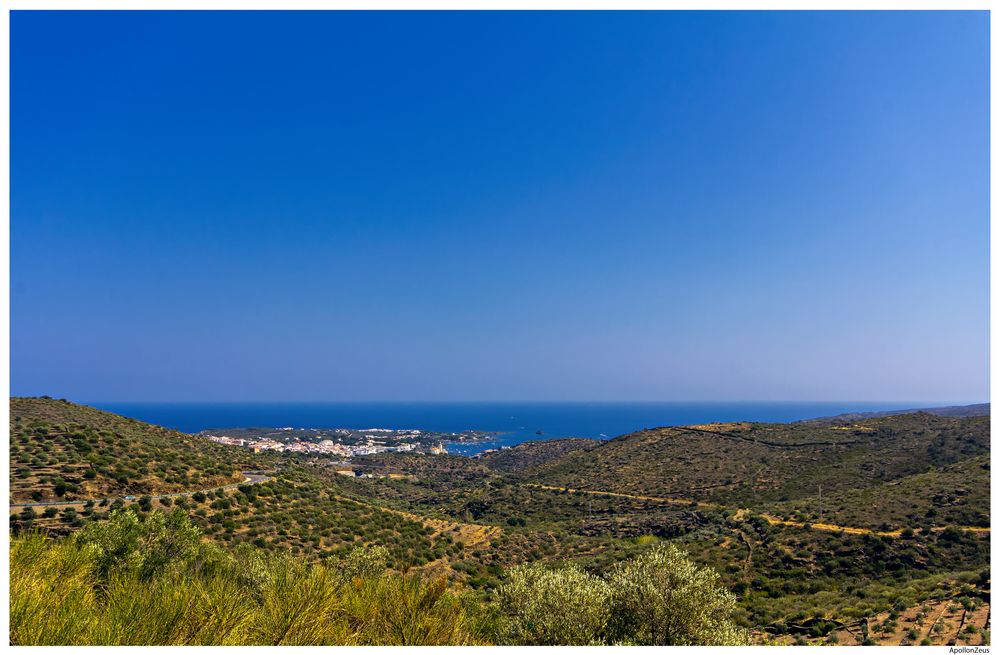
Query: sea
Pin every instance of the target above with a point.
(512, 422)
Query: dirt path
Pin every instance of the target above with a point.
(741, 512)
(655, 499)
(748, 562)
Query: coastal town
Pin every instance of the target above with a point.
(342, 442)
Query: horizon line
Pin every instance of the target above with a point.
(513, 401)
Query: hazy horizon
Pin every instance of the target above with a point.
(917, 404)
(696, 206)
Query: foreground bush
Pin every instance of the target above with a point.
(662, 598)
(129, 582)
(550, 607)
(659, 598)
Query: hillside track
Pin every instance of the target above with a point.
(249, 477)
(740, 512)
(764, 442)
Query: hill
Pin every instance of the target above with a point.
(902, 512)
(957, 494)
(752, 463)
(531, 454)
(981, 409)
(63, 451)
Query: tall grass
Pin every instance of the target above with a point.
(69, 592)
(52, 590)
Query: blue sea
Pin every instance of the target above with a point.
(515, 422)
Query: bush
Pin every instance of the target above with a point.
(553, 607)
(154, 582)
(662, 598)
(124, 545)
(658, 598)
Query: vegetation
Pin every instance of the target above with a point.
(531, 454)
(958, 494)
(63, 451)
(752, 463)
(659, 598)
(545, 542)
(129, 581)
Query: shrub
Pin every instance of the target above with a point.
(553, 607)
(662, 598)
(123, 544)
(155, 582)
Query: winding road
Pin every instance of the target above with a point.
(250, 477)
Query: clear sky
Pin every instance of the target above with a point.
(500, 206)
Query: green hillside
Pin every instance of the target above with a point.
(600, 502)
(957, 494)
(752, 463)
(63, 451)
(526, 456)
(899, 532)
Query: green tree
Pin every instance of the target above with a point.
(553, 607)
(126, 544)
(365, 562)
(662, 598)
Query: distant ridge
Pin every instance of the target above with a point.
(981, 409)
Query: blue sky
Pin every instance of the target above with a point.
(500, 206)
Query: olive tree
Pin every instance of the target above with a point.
(553, 607)
(365, 562)
(126, 544)
(662, 598)
(659, 598)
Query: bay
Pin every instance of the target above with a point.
(515, 422)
